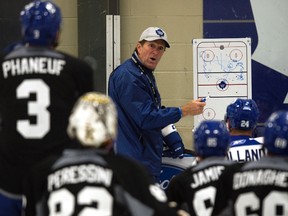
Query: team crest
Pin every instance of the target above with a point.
(160, 32)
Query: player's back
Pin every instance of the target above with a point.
(258, 187)
(245, 148)
(92, 181)
(196, 187)
(38, 89)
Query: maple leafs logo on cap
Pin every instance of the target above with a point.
(160, 32)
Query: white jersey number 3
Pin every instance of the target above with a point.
(36, 108)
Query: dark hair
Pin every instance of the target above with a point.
(142, 43)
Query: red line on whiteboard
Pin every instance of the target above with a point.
(217, 84)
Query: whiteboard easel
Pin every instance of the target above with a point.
(222, 71)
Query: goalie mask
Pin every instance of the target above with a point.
(93, 120)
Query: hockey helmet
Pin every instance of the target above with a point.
(211, 138)
(41, 21)
(276, 133)
(242, 114)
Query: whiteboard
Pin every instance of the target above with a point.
(222, 71)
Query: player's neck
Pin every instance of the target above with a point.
(235, 132)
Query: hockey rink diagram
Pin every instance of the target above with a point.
(222, 71)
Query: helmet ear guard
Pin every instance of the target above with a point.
(93, 120)
(211, 138)
(41, 21)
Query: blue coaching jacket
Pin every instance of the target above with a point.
(140, 117)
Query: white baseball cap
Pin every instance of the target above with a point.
(154, 33)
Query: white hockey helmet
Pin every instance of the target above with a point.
(93, 120)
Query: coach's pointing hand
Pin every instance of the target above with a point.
(194, 107)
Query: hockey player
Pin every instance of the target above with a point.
(194, 189)
(38, 87)
(259, 187)
(93, 180)
(241, 119)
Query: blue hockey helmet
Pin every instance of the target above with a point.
(41, 21)
(242, 114)
(276, 133)
(211, 138)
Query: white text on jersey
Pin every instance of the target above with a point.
(207, 175)
(76, 174)
(260, 177)
(246, 153)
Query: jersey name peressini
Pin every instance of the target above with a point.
(76, 174)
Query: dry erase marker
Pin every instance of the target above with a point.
(205, 98)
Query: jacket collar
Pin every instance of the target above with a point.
(139, 64)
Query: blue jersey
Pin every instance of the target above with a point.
(245, 148)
